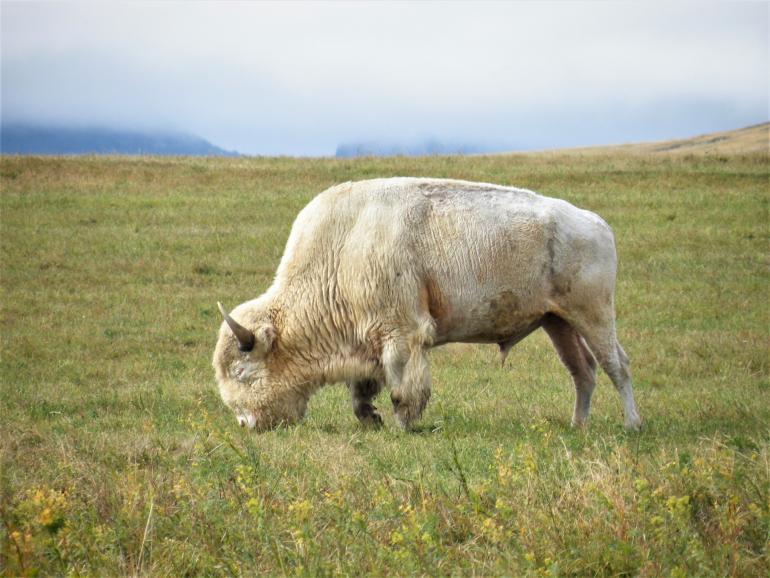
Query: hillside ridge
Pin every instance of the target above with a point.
(750, 139)
(23, 139)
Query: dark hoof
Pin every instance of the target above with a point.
(368, 416)
(373, 421)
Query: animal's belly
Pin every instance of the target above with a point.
(490, 282)
(496, 318)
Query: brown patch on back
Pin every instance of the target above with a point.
(434, 191)
(445, 189)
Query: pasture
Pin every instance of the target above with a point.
(118, 458)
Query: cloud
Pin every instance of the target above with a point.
(298, 78)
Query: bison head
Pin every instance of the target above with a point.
(249, 370)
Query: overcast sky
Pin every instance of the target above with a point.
(299, 78)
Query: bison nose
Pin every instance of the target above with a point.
(241, 421)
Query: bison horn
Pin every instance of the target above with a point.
(244, 336)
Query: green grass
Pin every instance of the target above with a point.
(118, 457)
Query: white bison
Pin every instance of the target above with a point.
(377, 272)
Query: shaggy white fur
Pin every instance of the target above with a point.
(375, 272)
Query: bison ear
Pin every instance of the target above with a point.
(265, 335)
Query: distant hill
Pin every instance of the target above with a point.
(386, 149)
(39, 140)
(755, 138)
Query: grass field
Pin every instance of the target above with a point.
(118, 458)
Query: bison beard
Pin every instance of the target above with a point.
(377, 272)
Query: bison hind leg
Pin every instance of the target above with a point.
(599, 334)
(578, 360)
(363, 392)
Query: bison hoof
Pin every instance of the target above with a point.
(633, 423)
(367, 415)
(372, 420)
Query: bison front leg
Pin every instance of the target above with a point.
(409, 383)
(363, 392)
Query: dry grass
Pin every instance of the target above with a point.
(748, 140)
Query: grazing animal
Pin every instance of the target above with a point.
(377, 272)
